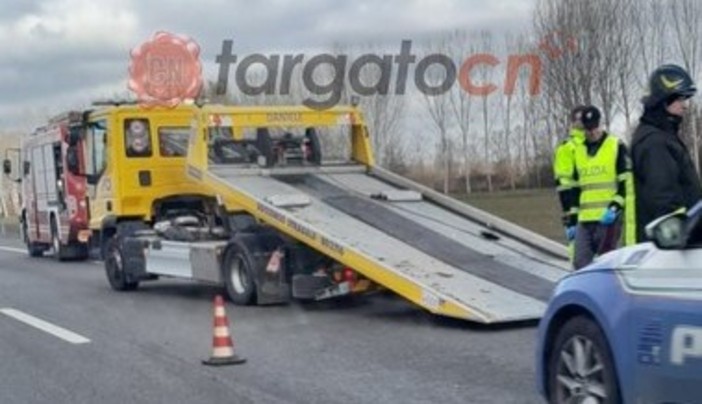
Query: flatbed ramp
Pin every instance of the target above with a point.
(436, 257)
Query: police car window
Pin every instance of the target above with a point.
(137, 137)
(173, 141)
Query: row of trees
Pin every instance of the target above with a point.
(577, 52)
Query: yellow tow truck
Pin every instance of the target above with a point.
(280, 203)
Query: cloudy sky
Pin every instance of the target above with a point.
(60, 54)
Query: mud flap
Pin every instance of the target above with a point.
(271, 283)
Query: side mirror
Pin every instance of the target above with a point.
(74, 134)
(668, 232)
(7, 167)
(72, 160)
(26, 167)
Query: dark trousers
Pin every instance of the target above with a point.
(592, 239)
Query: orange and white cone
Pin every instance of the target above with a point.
(222, 344)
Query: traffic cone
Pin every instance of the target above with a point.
(222, 345)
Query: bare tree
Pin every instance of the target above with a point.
(485, 74)
(438, 107)
(650, 21)
(383, 108)
(462, 102)
(687, 22)
(627, 67)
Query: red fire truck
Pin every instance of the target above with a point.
(54, 208)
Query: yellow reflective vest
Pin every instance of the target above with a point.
(564, 165)
(597, 180)
(598, 183)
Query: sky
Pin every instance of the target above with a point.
(57, 55)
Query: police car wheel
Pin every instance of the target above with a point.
(580, 367)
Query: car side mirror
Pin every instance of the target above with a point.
(74, 134)
(7, 167)
(72, 160)
(668, 232)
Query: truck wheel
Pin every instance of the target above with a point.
(114, 267)
(33, 249)
(61, 252)
(580, 367)
(238, 272)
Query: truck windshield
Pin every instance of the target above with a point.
(173, 141)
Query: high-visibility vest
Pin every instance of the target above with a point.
(564, 162)
(597, 179)
(630, 212)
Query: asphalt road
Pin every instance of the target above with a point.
(147, 346)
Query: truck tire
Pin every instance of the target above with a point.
(114, 267)
(33, 249)
(239, 272)
(61, 252)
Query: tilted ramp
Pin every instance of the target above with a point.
(435, 255)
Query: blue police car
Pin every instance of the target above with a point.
(628, 328)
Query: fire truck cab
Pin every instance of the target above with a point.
(54, 209)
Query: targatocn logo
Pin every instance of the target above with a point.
(343, 72)
(165, 70)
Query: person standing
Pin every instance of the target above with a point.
(665, 178)
(602, 169)
(563, 172)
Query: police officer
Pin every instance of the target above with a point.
(664, 175)
(602, 169)
(563, 172)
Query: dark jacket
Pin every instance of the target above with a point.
(664, 176)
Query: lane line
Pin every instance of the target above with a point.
(24, 251)
(13, 249)
(56, 331)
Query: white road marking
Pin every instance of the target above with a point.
(13, 249)
(56, 331)
(24, 251)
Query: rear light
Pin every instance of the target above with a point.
(348, 275)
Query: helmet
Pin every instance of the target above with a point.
(668, 82)
(591, 117)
